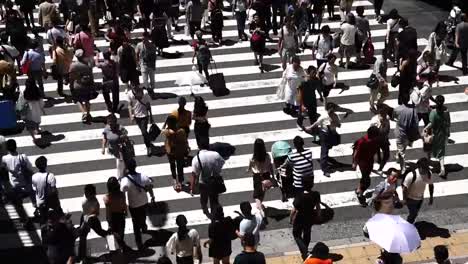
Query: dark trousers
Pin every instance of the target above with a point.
(424, 117)
(139, 223)
(184, 260)
(194, 26)
(203, 68)
(29, 17)
(453, 56)
(201, 130)
(311, 113)
(177, 167)
(205, 195)
(117, 225)
(60, 85)
(385, 155)
(365, 180)
(378, 6)
(142, 123)
(320, 62)
(331, 8)
(113, 105)
(94, 224)
(325, 146)
(301, 233)
(413, 208)
(266, 15)
(240, 18)
(278, 10)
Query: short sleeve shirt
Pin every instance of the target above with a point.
(349, 34)
(139, 110)
(137, 196)
(305, 203)
(211, 162)
(39, 185)
(13, 164)
(142, 50)
(251, 226)
(416, 189)
(184, 248)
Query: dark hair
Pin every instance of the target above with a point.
(41, 163)
(131, 165)
(110, 118)
(441, 28)
(360, 10)
(259, 151)
(295, 59)
(246, 208)
(423, 163)
(403, 22)
(248, 240)
(59, 41)
(311, 69)
(373, 132)
(382, 111)
(182, 100)
(182, 232)
(218, 213)
(164, 260)
(441, 253)
(392, 170)
(440, 100)
(84, 27)
(326, 29)
(199, 106)
(393, 258)
(34, 44)
(351, 19)
(331, 56)
(330, 105)
(107, 55)
(393, 14)
(90, 189)
(308, 183)
(113, 186)
(146, 34)
(320, 250)
(11, 145)
(381, 197)
(171, 122)
(298, 142)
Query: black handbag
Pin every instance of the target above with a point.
(373, 82)
(215, 182)
(154, 130)
(395, 79)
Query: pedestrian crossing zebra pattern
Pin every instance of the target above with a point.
(251, 111)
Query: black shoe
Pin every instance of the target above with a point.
(261, 69)
(149, 153)
(256, 62)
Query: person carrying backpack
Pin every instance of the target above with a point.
(146, 58)
(82, 85)
(202, 53)
(128, 64)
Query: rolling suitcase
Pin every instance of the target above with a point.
(8, 114)
(217, 83)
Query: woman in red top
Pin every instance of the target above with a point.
(365, 149)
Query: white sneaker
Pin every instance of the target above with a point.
(299, 127)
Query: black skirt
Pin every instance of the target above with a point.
(258, 178)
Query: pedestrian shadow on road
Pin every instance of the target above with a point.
(158, 238)
(156, 96)
(448, 78)
(427, 229)
(127, 257)
(276, 214)
(169, 55)
(270, 67)
(51, 101)
(47, 138)
(269, 52)
(449, 168)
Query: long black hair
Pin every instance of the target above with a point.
(113, 186)
(199, 108)
(259, 152)
(182, 232)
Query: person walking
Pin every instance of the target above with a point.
(392, 33)
(258, 36)
(249, 253)
(306, 208)
(58, 239)
(406, 131)
(47, 12)
(84, 40)
(239, 10)
(112, 137)
(377, 8)
(183, 116)
(348, 40)
(308, 99)
(34, 104)
(110, 82)
(439, 122)
(345, 8)
(364, 150)
(146, 58)
(36, 67)
(139, 110)
(329, 137)
(250, 223)
(128, 64)
(202, 52)
(261, 167)
(414, 187)
(323, 46)
(438, 46)
(408, 72)
(363, 32)
(206, 164)
(27, 8)
(216, 19)
(61, 59)
(185, 243)
(176, 146)
(44, 185)
(89, 218)
(202, 126)
(82, 85)
(407, 39)
(194, 14)
(288, 42)
(293, 76)
(219, 240)
(461, 44)
(382, 122)
(301, 162)
(380, 92)
(54, 32)
(441, 254)
(388, 185)
(136, 185)
(116, 211)
(328, 73)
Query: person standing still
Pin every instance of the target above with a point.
(137, 185)
(461, 44)
(146, 57)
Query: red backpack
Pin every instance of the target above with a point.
(368, 51)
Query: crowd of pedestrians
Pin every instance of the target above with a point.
(72, 29)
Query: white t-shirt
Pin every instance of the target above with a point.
(136, 195)
(329, 73)
(39, 185)
(348, 37)
(212, 163)
(324, 46)
(251, 226)
(417, 188)
(13, 164)
(139, 109)
(289, 38)
(326, 121)
(183, 248)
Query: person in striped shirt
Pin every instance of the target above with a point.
(301, 162)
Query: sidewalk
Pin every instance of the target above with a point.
(367, 253)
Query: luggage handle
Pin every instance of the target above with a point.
(211, 67)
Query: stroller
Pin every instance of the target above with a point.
(280, 151)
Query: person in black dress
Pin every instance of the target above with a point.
(257, 40)
(220, 232)
(408, 71)
(202, 126)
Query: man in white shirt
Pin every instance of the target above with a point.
(206, 164)
(414, 186)
(55, 32)
(250, 223)
(139, 111)
(44, 185)
(136, 185)
(20, 171)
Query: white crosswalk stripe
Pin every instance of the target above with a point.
(251, 111)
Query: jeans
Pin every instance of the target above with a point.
(139, 223)
(301, 232)
(240, 18)
(177, 165)
(113, 88)
(206, 195)
(148, 73)
(453, 56)
(94, 223)
(142, 123)
(413, 207)
(365, 180)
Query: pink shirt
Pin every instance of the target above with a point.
(87, 42)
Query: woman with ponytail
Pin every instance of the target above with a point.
(185, 243)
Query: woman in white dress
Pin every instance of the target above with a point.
(34, 108)
(293, 76)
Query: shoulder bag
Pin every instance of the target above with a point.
(395, 79)
(154, 131)
(215, 182)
